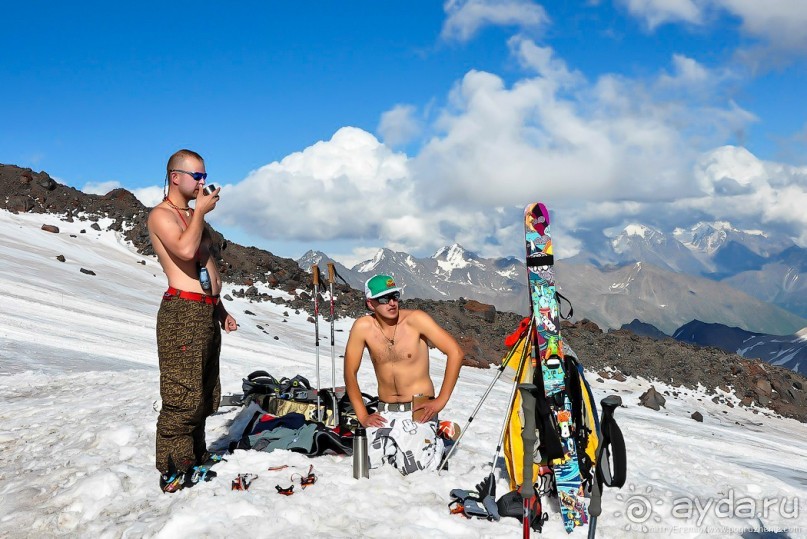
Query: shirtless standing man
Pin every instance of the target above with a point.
(188, 332)
(397, 340)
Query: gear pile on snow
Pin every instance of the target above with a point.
(290, 414)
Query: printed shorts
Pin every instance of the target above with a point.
(407, 445)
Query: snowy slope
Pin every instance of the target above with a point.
(79, 388)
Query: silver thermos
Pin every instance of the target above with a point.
(361, 459)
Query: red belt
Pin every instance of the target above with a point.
(173, 293)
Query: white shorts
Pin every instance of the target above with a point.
(407, 445)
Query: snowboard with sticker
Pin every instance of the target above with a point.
(548, 353)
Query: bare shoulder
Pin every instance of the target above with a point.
(158, 210)
(159, 214)
(437, 336)
(361, 325)
(416, 317)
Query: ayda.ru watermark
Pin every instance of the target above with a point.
(646, 508)
(730, 506)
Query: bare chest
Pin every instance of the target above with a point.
(396, 347)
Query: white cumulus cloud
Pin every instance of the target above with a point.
(597, 151)
(776, 25)
(687, 72)
(734, 186)
(743, 188)
(558, 136)
(100, 188)
(466, 17)
(780, 23)
(657, 12)
(344, 187)
(149, 196)
(399, 125)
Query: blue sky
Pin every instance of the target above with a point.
(348, 126)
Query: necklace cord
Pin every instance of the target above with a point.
(186, 208)
(394, 332)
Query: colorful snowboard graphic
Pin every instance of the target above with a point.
(549, 351)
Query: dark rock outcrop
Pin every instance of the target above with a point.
(645, 330)
(652, 399)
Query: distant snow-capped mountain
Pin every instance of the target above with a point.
(640, 243)
(728, 251)
(704, 237)
(615, 296)
(318, 258)
(450, 273)
(713, 249)
(767, 266)
(709, 238)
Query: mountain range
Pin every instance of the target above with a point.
(715, 249)
(711, 272)
(769, 267)
(640, 296)
(451, 273)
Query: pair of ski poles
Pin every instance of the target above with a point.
(331, 280)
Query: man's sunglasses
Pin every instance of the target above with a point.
(383, 300)
(198, 176)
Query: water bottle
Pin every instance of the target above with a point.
(361, 459)
(204, 278)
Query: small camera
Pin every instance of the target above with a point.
(208, 189)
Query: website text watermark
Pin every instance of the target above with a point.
(647, 510)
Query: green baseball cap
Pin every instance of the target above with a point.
(380, 285)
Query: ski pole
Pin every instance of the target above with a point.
(315, 273)
(519, 372)
(331, 279)
(609, 405)
(528, 438)
(464, 429)
(489, 499)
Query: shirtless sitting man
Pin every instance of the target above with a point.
(398, 343)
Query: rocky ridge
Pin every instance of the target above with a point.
(480, 328)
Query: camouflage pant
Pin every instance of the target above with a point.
(188, 345)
